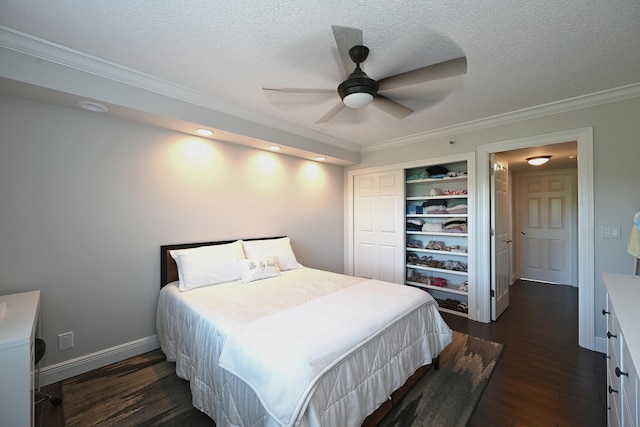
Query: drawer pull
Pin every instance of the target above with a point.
(619, 372)
(604, 312)
(611, 390)
(610, 335)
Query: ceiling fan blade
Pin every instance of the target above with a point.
(298, 89)
(453, 67)
(332, 112)
(392, 107)
(346, 38)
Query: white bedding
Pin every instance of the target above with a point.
(194, 326)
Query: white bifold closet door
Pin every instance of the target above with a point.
(379, 233)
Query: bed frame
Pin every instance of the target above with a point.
(169, 273)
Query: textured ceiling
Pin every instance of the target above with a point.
(520, 53)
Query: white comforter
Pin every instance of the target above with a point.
(194, 326)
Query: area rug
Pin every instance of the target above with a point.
(448, 397)
(144, 391)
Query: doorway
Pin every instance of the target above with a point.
(584, 138)
(533, 219)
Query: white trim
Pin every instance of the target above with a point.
(62, 55)
(70, 368)
(570, 104)
(586, 279)
(58, 54)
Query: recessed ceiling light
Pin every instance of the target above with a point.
(538, 160)
(204, 132)
(92, 106)
(320, 158)
(274, 148)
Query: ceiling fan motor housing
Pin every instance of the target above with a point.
(358, 82)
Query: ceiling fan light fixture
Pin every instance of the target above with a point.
(538, 160)
(358, 90)
(358, 99)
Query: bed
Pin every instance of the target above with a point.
(274, 343)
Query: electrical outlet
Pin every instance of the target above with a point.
(65, 341)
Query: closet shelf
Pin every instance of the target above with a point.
(438, 270)
(437, 233)
(436, 215)
(437, 252)
(433, 180)
(439, 288)
(423, 199)
(454, 196)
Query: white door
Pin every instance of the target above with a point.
(379, 241)
(545, 215)
(500, 237)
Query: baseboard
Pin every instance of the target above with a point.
(70, 368)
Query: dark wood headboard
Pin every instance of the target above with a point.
(168, 267)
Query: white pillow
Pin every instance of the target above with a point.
(279, 248)
(208, 265)
(256, 269)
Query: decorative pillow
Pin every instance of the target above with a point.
(208, 265)
(256, 269)
(279, 248)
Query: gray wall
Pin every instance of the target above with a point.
(616, 153)
(87, 200)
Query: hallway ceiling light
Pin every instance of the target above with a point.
(538, 160)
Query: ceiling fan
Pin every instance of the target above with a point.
(359, 90)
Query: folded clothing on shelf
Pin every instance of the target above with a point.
(414, 224)
(455, 225)
(432, 227)
(457, 206)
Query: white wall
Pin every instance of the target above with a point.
(616, 156)
(87, 200)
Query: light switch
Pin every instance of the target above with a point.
(610, 232)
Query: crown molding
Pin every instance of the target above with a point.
(570, 104)
(45, 50)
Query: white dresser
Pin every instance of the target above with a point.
(623, 349)
(18, 323)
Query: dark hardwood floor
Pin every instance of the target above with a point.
(543, 377)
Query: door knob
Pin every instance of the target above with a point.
(508, 241)
(523, 232)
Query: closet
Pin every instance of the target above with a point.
(437, 229)
(414, 224)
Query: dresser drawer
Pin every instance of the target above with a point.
(613, 402)
(613, 333)
(629, 382)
